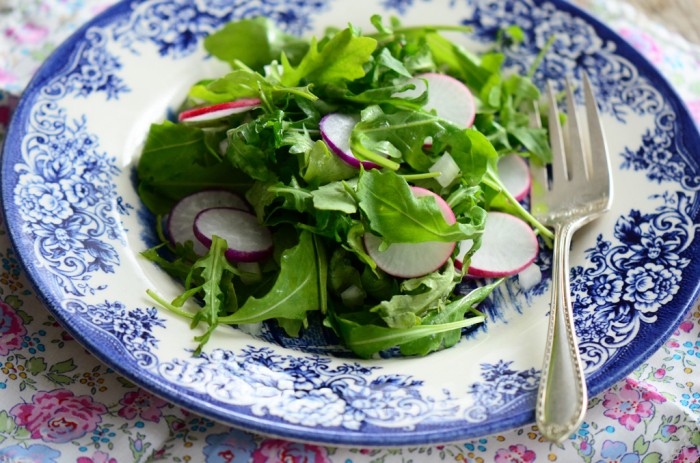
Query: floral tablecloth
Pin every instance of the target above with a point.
(60, 404)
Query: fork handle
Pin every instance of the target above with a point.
(562, 395)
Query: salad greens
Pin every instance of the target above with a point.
(318, 207)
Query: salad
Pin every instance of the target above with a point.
(359, 176)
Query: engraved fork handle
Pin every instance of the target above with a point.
(562, 396)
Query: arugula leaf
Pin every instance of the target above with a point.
(255, 42)
(334, 197)
(176, 161)
(419, 296)
(320, 166)
(367, 339)
(400, 217)
(452, 312)
(296, 291)
(340, 59)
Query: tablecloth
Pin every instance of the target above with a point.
(60, 404)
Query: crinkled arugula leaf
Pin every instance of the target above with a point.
(300, 287)
(255, 42)
(214, 275)
(418, 297)
(394, 213)
(340, 59)
(178, 160)
(366, 339)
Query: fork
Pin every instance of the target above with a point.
(578, 191)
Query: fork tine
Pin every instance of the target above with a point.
(577, 154)
(600, 160)
(556, 138)
(538, 173)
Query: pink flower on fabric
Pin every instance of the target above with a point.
(97, 457)
(59, 416)
(688, 455)
(12, 329)
(631, 403)
(145, 405)
(276, 450)
(27, 33)
(645, 43)
(515, 454)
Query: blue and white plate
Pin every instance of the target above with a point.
(78, 226)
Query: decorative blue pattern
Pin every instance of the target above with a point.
(176, 27)
(308, 390)
(66, 198)
(628, 282)
(501, 390)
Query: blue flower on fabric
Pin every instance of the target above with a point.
(691, 401)
(36, 453)
(651, 286)
(232, 447)
(616, 452)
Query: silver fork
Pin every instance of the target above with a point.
(578, 191)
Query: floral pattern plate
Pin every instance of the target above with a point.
(76, 221)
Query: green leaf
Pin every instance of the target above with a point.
(452, 312)
(341, 59)
(535, 141)
(367, 339)
(59, 378)
(255, 42)
(334, 197)
(400, 217)
(640, 445)
(419, 296)
(63, 367)
(7, 423)
(35, 365)
(176, 161)
(653, 457)
(295, 292)
(321, 166)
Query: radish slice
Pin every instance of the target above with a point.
(410, 260)
(218, 111)
(515, 175)
(335, 131)
(449, 97)
(508, 246)
(181, 219)
(247, 240)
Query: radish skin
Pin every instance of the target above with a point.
(411, 260)
(508, 246)
(218, 111)
(335, 131)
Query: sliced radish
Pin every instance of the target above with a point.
(180, 225)
(335, 131)
(247, 240)
(218, 111)
(410, 260)
(449, 97)
(515, 175)
(508, 246)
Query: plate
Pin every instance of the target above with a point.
(78, 227)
